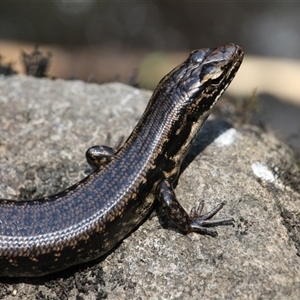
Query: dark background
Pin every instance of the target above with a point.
(263, 27)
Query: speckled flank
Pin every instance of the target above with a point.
(88, 219)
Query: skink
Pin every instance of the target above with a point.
(85, 221)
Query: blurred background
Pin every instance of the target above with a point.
(138, 42)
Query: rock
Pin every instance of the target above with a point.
(46, 127)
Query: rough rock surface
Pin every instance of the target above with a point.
(45, 128)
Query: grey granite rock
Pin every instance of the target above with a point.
(45, 128)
